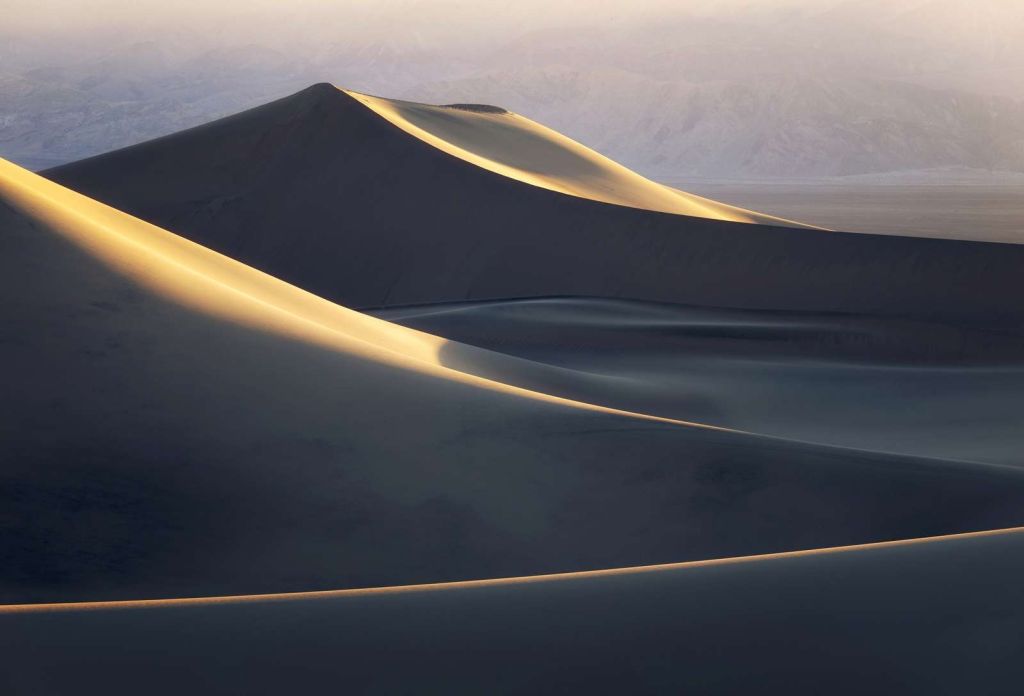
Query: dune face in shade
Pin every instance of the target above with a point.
(176, 423)
(322, 191)
(516, 147)
(187, 273)
(855, 381)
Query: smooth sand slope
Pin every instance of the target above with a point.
(176, 423)
(371, 202)
(514, 146)
(941, 617)
(919, 388)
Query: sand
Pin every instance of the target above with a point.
(915, 388)
(924, 618)
(514, 146)
(325, 193)
(595, 435)
(225, 432)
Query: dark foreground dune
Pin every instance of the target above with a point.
(922, 618)
(324, 191)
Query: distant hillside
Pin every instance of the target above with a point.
(696, 89)
(779, 127)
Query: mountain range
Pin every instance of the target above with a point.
(802, 89)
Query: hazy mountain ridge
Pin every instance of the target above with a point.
(799, 126)
(801, 88)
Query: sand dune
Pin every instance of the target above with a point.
(591, 434)
(514, 146)
(326, 193)
(917, 618)
(916, 388)
(177, 423)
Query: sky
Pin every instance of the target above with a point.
(302, 26)
(451, 19)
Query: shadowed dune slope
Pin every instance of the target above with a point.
(941, 617)
(921, 388)
(385, 205)
(176, 423)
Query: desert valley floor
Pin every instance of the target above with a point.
(988, 208)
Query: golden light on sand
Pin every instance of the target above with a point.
(195, 276)
(488, 582)
(514, 146)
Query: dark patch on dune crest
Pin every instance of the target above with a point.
(478, 108)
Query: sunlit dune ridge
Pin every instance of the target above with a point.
(487, 582)
(213, 283)
(324, 192)
(218, 285)
(514, 146)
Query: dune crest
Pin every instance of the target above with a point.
(213, 283)
(218, 285)
(40, 608)
(901, 613)
(323, 192)
(512, 145)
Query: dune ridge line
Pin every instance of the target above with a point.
(486, 582)
(517, 147)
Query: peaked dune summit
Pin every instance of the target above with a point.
(506, 143)
(373, 202)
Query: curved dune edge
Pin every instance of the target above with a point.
(209, 282)
(488, 582)
(516, 147)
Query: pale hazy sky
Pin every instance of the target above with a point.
(446, 16)
(293, 23)
(981, 40)
(887, 37)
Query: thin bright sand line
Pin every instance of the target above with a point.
(461, 584)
